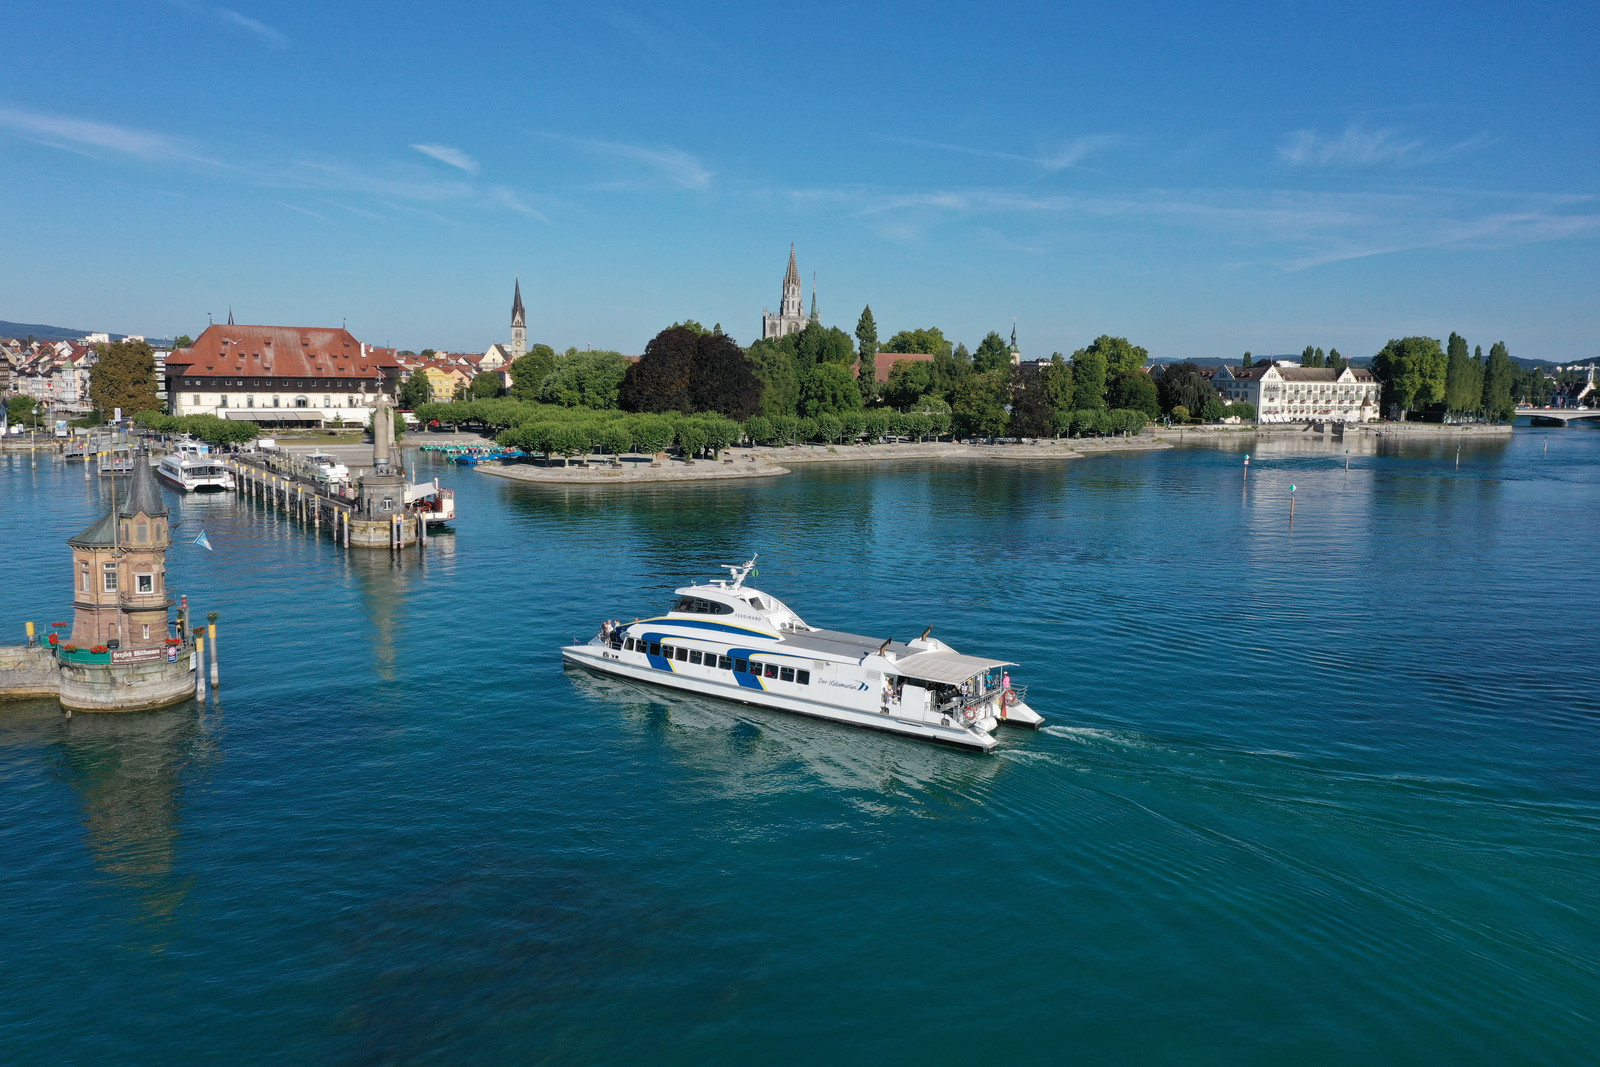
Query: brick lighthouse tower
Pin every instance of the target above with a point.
(120, 606)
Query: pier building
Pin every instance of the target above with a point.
(279, 375)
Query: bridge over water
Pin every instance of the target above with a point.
(1561, 415)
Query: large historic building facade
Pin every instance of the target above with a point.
(791, 317)
(280, 374)
(1302, 394)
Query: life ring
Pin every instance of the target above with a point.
(970, 714)
(1010, 699)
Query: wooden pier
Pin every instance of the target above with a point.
(274, 482)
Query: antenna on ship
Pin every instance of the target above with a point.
(738, 572)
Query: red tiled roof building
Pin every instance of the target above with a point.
(280, 374)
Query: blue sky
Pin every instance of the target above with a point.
(1202, 181)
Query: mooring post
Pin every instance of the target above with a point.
(200, 667)
(211, 635)
(30, 633)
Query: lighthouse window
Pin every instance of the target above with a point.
(85, 582)
(110, 577)
(141, 533)
(146, 582)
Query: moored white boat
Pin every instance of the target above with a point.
(730, 641)
(327, 470)
(433, 504)
(192, 469)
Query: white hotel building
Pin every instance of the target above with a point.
(280, 375)
(1291, 393)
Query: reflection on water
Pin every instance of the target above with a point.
(128, 771)
(759, 753)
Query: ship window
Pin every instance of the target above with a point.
(147, 582)
(724, 663)
(627, 644)
(693, 605)
(786, 674)
(666, 651)
(739, 666)
(683, 653)
(757, 603)
(772, 670)
(694, 656)
(803, 677)
(655, 649)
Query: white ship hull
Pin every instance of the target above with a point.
(735, 643)
(607, 661)
(200, 475)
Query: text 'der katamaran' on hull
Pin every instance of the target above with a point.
(730, 641)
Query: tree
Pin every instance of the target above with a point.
(24, 411)
(1181, 385)
(585, 379)
(1088, 379)
(124, 377)
(929, 341)
(616, 437)
(822, 344)
(909, 381)
(867, 351)
(486, 385)
(1498, 374)
(415, 391)
(1031, 409)
(1120, 357)
(1245, 362)
(1309, 358)
(774, 369)
(828, 390)
(183, 340)
(1463, 381)
(992, 354)
(528, 371)
(1058, 383)
(978, 406)
(1412, 370)
(1336, 361)
(1134, 391)
(690, 372)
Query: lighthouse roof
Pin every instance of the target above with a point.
(103, 534)
(143, 494)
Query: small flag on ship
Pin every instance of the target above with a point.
(203, 541)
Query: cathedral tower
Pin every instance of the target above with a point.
(519, 323)
(791, 317)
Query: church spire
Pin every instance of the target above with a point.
(518, 315)
(792, 275)
(519, 323)
(814, 316)
(230, 314)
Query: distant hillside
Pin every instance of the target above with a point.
(40, 332)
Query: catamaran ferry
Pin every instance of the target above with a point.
(193, 469)
(730, 641)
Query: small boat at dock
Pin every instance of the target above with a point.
(730, 641)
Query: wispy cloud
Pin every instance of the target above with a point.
(301, 210)
(507, 197)
(1356, 147)
(1070, 154)
(452, 156)
(1291, 230)
(674, 165)
(87, 136)
(227, 16)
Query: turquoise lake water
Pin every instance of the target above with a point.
(1320, 795)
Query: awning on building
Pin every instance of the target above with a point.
(274, 415)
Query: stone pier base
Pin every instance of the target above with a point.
(28, 671)
(364, 534)
(126, 686)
